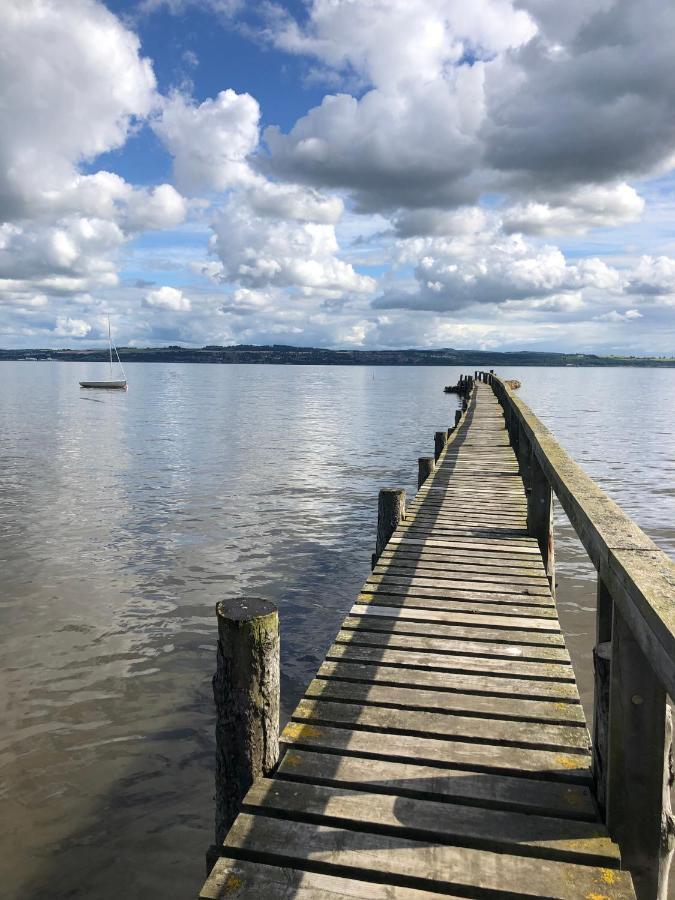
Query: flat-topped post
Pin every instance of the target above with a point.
(246, 694)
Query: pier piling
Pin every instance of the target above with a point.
(246, 694)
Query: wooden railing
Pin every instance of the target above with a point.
(635, 643)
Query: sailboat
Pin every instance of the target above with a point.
(111, 384)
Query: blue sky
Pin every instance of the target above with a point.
(344, 173)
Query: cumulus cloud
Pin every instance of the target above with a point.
(257, 251)
(575, 212)
(497, 269)
(168, 298)
(67, 327)
(72, 83)
(652, 276)
(444, 116)
(210, 141)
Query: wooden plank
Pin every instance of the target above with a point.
(231, 879)
(446, 823)
(445, 701)
(456, 646)
(405, 779)
(417, 863)
(517, 668)
(450, 617)
(468, 683)
(456, 632)
(501, 732)
(491, 588)
(390, 597)
(442, 573)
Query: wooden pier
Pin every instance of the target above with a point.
(442, 750)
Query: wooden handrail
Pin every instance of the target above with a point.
(635, 644)
(640, 576)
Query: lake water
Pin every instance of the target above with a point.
(125, 517)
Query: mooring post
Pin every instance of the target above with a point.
(246, 693)
(639, 774)
(440, 440)
(390, 512)
(458, 416)
(425, 468)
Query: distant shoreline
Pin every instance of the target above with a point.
(285, 355)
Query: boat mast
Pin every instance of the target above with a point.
(110, 346)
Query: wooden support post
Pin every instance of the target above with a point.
(639, 765)
(246, 692)
(602, 653)
(390, 511)
(450, 431)
(425, 468)
(458, 416)
(540, 516)
(440, 440)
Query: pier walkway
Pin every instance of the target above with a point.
(441, 749)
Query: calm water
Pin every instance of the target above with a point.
(124, 518)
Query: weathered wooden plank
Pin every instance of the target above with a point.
(457, 632)
(464, 618)
(417, 863)
(466, 583)
(559, 765)
(390, 597)
(441, 573)
(446, 701)
(458, 824)
(456, 646)
(501, 732)
(234, 878)
(517, 668)
(469, 683)
(486, 790)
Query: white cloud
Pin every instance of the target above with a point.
(591, 206)
(71, 84)
(210, 142)
(615, 316)
(66, 327)
(168, 298)
(257, 251)
(492, 268)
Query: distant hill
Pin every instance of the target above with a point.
(280, 354)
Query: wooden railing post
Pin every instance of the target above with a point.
(440, 440)
(390, 512)
(246, 693)
(639, 765)
(540, 516)
(458, 416)
(602, 653)
(425, 468)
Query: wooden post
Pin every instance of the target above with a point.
(458, 416)
(425, 468)
(450, 431)
(440, 440)
(639, 765)
(390, 511)
(602, 653)
(246, 692)
(540, 516)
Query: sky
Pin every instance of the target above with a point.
(365, 174)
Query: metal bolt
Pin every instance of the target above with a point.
(636, 699)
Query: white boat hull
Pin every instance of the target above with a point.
(107, 385)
